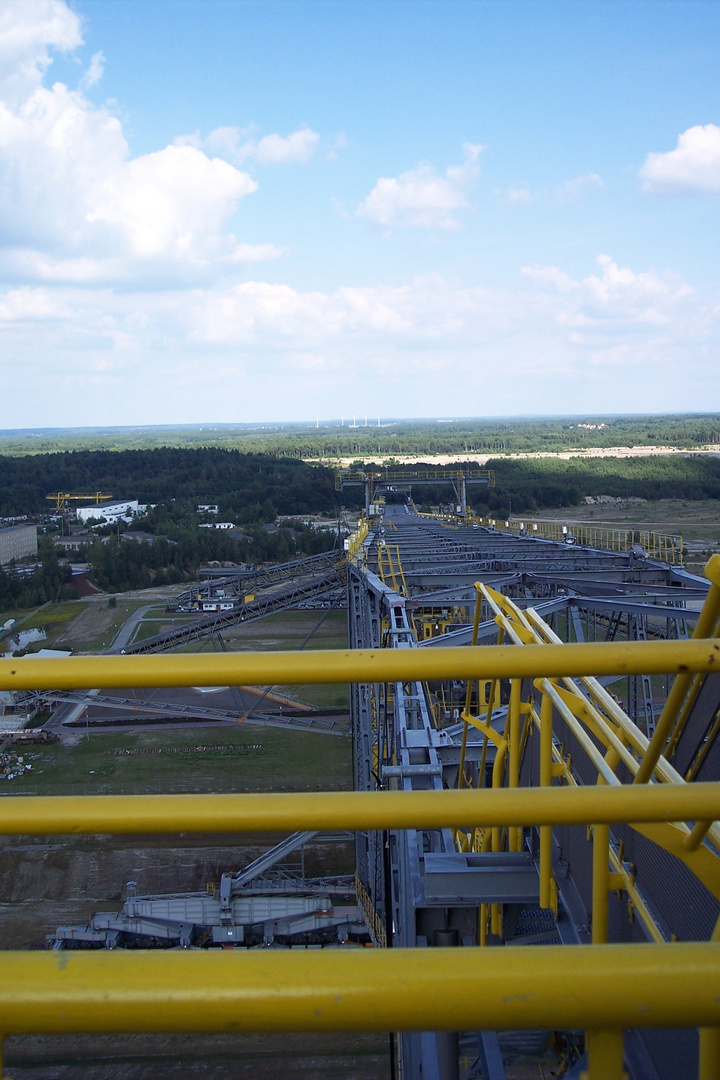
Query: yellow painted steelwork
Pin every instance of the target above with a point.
(62, 498)
(600, 988)
(608, 738)
(354, 542)
(363, 665)
(556, 987)
(666, 548)
(38, 814)
(390, 568)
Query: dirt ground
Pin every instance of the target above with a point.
(46, 882)
(482, 459)
(698, 522)
(199, 1057)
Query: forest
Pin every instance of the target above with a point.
(522, 486)
(254, 489)
(390, 437)
(118, 562)
(241, 484)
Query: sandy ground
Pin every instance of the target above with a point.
(482, 459)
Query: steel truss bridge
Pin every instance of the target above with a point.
(536, 763)
(389, 478)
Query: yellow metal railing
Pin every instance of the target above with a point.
(407, 473)
(664, 547)
(390, 567)
(598, 988)
(354, 542)
(608, 738)
(373, 920)
(601, 988)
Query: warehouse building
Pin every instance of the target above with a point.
(112, 512)
(16, 542)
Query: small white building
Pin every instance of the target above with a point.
(112, 512)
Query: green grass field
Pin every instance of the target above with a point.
(287, 630)
(230, 758)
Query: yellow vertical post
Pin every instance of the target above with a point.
(483, 925)
(546, 781)
(709, 1048)
(468, 693)
(605, 1056)
(600, 883)
(515, 833)
(709, 1063)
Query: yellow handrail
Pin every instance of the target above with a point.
(88, 814)
(556, 987)
(363, 665)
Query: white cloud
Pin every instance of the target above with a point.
(617, 301)
(296, 148)
(420, 198)
(516, 196)
(692, 168)
(424, 310)
(27, 32)
(571, 190)
(94, 73)
(74, 206)
(170, 204)
(551, 275)
(149, 357)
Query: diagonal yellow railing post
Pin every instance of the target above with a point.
(706, 627)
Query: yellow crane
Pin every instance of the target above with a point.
(62, 498)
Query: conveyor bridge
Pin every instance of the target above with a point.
(552, 781)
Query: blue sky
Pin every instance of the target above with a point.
(240, 211)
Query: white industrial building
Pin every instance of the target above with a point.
(16, 542)
(112, 512)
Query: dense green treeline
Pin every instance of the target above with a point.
(239, 483)
(50, 580)
(253, 489)
(399, 437)
(119, 563)
(523, 485)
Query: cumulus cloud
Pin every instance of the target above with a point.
(296, 148)
(425, 309)
(617, 300)
(692, 168)
(421, 198)
(571, 190)
(27, 33)
(148, 357)
(74, 205)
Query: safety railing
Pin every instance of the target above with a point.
(390, 567)
(601, 988)
(664, 547)
(408, 473)
(598, 989)
(354, 542)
